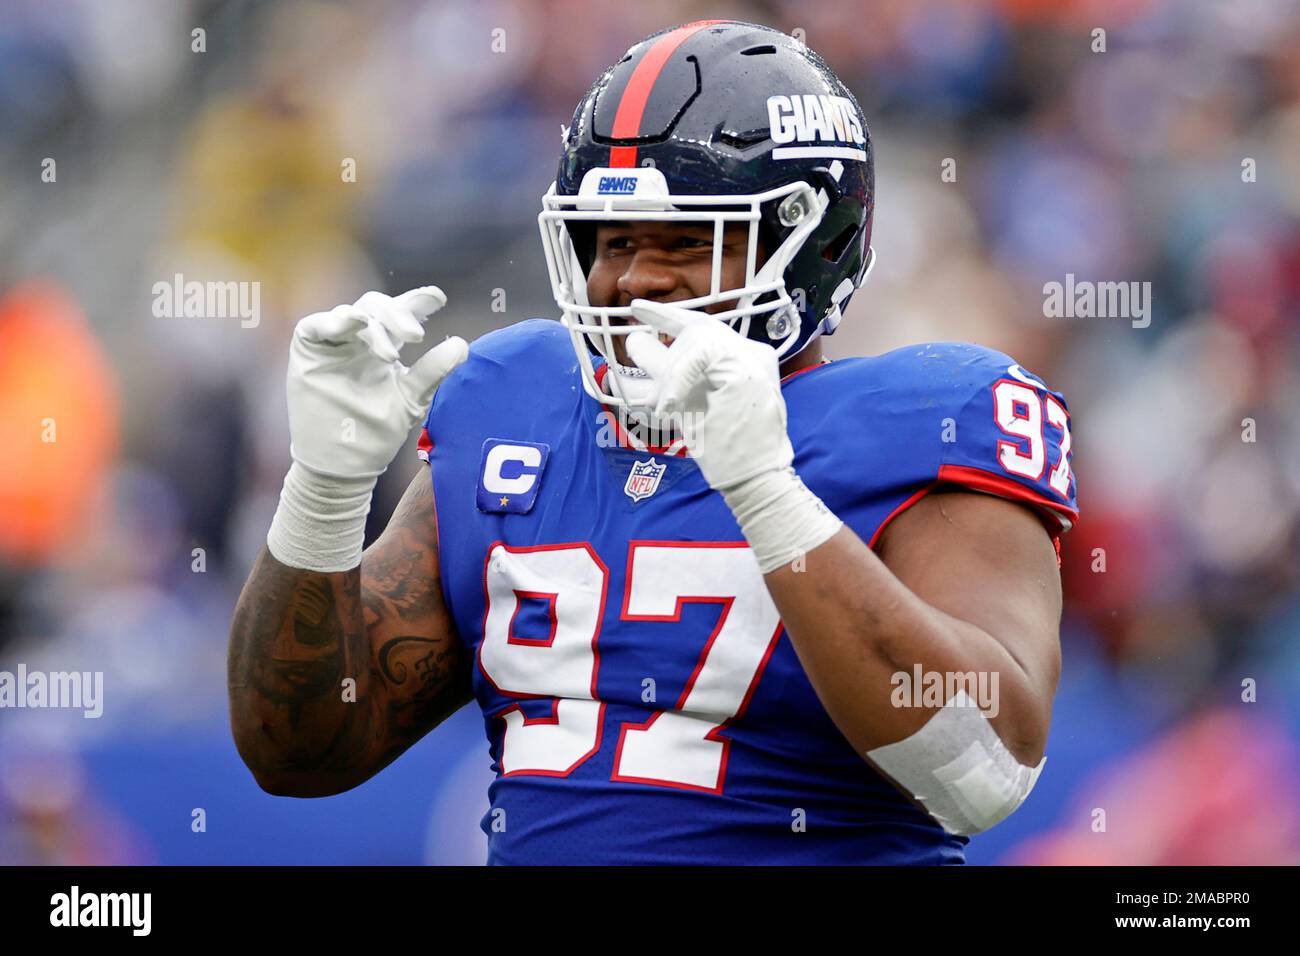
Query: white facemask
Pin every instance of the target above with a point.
(613, 195)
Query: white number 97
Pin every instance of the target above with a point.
(1020, 412)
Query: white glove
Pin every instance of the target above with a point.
(351, 402)
(725, 391)
(352, 405)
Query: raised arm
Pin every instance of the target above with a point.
(298, 635)
(339, 661)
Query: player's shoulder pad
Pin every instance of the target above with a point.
(532, 358)
(972, 415)
(500, 351)
(1007, 432)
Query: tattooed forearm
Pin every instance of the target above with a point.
(299, 636)
(424, 677)
(295, 636)
(420, 676)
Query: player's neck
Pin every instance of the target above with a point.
(810, 356)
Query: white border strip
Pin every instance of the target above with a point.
(819, 152)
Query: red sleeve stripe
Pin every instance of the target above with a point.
(899, 510)
(1005, 488)
(424, 445)
(631, 107)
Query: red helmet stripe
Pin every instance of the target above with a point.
(627, 121)
(622, 156)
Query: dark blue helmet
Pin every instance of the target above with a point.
(719, 121)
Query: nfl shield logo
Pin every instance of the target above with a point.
(643, 479)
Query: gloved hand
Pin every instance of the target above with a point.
(352, 405)
(725, 390)
(351, 402)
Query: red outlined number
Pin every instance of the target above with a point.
(563, 667)
(1061, 477)
(1018, 412)
(1021, 413)
(680, 747)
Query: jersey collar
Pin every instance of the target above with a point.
(630, 440)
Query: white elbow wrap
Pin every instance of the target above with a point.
(957, 767)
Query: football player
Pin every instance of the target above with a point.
(719, 599)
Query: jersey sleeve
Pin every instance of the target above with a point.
(1011, 437)
(502, 365)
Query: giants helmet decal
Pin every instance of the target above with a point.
(717, 121)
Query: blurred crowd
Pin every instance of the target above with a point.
(321, 149)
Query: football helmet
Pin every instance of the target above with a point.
(718, 122)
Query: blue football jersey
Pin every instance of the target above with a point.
(641, 701)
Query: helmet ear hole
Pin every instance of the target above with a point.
(837, 247)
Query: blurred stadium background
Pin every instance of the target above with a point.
(225, 165)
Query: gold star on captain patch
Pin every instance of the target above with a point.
(504, 501)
